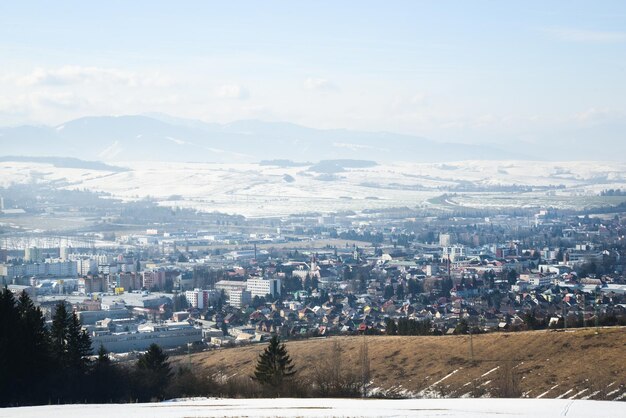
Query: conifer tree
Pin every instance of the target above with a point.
(390, 326)
(58, 332)
(34, 352)
(107, 382)
(153, 373)
(274, 364)
(103, 359)
(9, 346)
(71, 346)
(78, 344)
(154, 360)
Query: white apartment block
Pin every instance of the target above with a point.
(200, 299)
(86, 266)
(62, 269)
(229, 286)
(261, 287)
(454, 252)
(240, 298)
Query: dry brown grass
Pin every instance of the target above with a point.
(583, 361)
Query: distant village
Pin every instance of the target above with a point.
(318, 275)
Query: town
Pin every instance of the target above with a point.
(198, 281)
(410, 208)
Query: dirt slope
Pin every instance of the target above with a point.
(578, 364)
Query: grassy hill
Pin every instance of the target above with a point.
(577, 364)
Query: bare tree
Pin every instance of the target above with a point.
(332, 379)
(507, 381)
(327, 376)
(364, 363)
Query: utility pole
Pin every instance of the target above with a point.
(189, 355)
(597, 308)
(584, 312)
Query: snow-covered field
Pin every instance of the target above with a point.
(467, 408)
(261, 190)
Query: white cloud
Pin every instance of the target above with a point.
(581, 35)
(63, 100)
(233, 91)
(402, 103)
(319, 84)
(71, 74)
(42, 99)
(486, 120)
(176, 141)
(418, 99)
(593, 115)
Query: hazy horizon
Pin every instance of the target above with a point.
(459, 72)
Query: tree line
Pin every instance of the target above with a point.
(51, 364)
(54, 364)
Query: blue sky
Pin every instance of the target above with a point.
(464, 71)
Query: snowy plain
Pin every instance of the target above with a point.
(283, 407)
(265, 190)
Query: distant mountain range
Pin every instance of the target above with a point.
(160, 137)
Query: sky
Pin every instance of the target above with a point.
(462, 71)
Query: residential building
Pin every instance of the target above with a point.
(261, 287)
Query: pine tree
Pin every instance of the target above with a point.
(390, 326)
(78, 344)
(155, 360)
(34, 354)
(274, 364)
(103, 359)
(9, 346)
(58, 332)
(71, 346)
(105, 382)
(153, 372)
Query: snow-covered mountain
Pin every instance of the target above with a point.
(163, 138)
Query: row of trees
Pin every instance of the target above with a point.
(39, 364)
(406, 326)
(42, 364)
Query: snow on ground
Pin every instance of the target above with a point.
(613, 392)
(591, 395)
(547, 391)
(579, 393)
(467, 408)
(490, 371)
(565, 394)
(445, 377)
(432, 391)
(260, 190)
